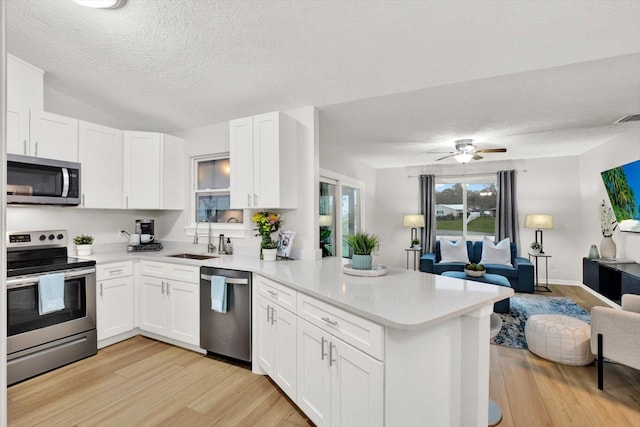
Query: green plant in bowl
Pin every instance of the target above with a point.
(83, 239)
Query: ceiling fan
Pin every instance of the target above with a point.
(466, 151)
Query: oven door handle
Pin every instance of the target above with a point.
(32, 280)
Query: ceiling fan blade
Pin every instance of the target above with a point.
(491, 150)
(477, 157)
(445, 157)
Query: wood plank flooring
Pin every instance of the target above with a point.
(142, 382)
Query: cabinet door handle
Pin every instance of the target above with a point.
(36, 150)
(322, 353)
(168, 285)
(248, 200)
(126, 202)
(273, 315)
(273, 294)
(83, 200)
(268, 314)
(331, 359)
(100, 289)
(162, 283)
(115, 271)
(331, 322)
(255, 200)
(24, 147)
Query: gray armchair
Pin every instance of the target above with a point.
(615, 334)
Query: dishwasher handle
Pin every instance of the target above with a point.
(230, 280)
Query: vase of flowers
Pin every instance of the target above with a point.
(608, 224)
(267, 223)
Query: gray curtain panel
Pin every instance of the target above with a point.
(506, 209)
(428, 209)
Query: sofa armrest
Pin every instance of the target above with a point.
(427, 262)
(524, 267)
(631, 302)
(619, 328)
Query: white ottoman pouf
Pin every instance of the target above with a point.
(558, 338)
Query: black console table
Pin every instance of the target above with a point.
(611, 279)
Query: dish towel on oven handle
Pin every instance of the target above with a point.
(51, 292)
(219, 294)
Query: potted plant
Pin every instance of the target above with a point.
(415, 243)
(362, 244)
(83, 244)
(267, 223)
(474, 270)
(535, 247)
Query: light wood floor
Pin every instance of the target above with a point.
(141, 382)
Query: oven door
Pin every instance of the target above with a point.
(26, 327)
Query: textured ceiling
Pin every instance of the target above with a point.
(397, 77)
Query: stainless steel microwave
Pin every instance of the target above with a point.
(34, 180)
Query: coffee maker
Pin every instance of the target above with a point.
(144, 237)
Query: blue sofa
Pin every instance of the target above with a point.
(519, 273)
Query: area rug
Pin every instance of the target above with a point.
(524, 306)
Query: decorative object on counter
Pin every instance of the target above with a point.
(228, 247)
(362, 245)
(414, 221)
(83, 244)
(286, 243)
(539, 222)
(267, 223)
(593, 252)
(608, 224)
(221, 248)
(474, 270)
(378, 270)
(269, 254)
(535, 247)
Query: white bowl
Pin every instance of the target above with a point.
(474, 273)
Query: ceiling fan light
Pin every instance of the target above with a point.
(101, 4)
(463, 157)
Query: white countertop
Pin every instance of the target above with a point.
(402, 299)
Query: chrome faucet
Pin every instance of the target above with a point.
(195, 236)
(210, 247)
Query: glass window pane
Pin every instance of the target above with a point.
(327, 218)
(350, 216)
(215, 208)
(481, 208)
(449, 209)
(213, 174)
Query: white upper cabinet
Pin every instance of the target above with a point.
(25, 91)
(263, 155)
(100, 152)
(153, 171)
(53, 136)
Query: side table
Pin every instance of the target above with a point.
(415, 251)
(546, 257)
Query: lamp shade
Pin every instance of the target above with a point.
(413, 221)
(539, 221)
(463, 157)
(326, 220)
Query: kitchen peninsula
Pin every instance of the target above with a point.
(399, 349)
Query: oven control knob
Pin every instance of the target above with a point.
(43, 237)
(51, 237)
(59, 236)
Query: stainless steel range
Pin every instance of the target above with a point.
(51, 304)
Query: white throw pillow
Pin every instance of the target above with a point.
(454, 252)
(496, 253)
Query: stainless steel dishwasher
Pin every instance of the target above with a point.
(227, 334)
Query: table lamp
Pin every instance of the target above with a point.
(414, 221)
(539, 222)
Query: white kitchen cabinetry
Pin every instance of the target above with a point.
(115, 299)
(277, 325)
(338, 384)
(170, 301)
(153, 171)
(100, 152)
(263, 156)
(50, 136)
(25, 91)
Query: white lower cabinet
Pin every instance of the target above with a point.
(115, 300)
(277, 344)
(338, 385)
(168, 307)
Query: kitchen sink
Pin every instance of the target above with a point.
(192, 256)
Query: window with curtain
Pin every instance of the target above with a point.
(466, 207)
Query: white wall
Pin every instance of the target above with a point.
(621, 148)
